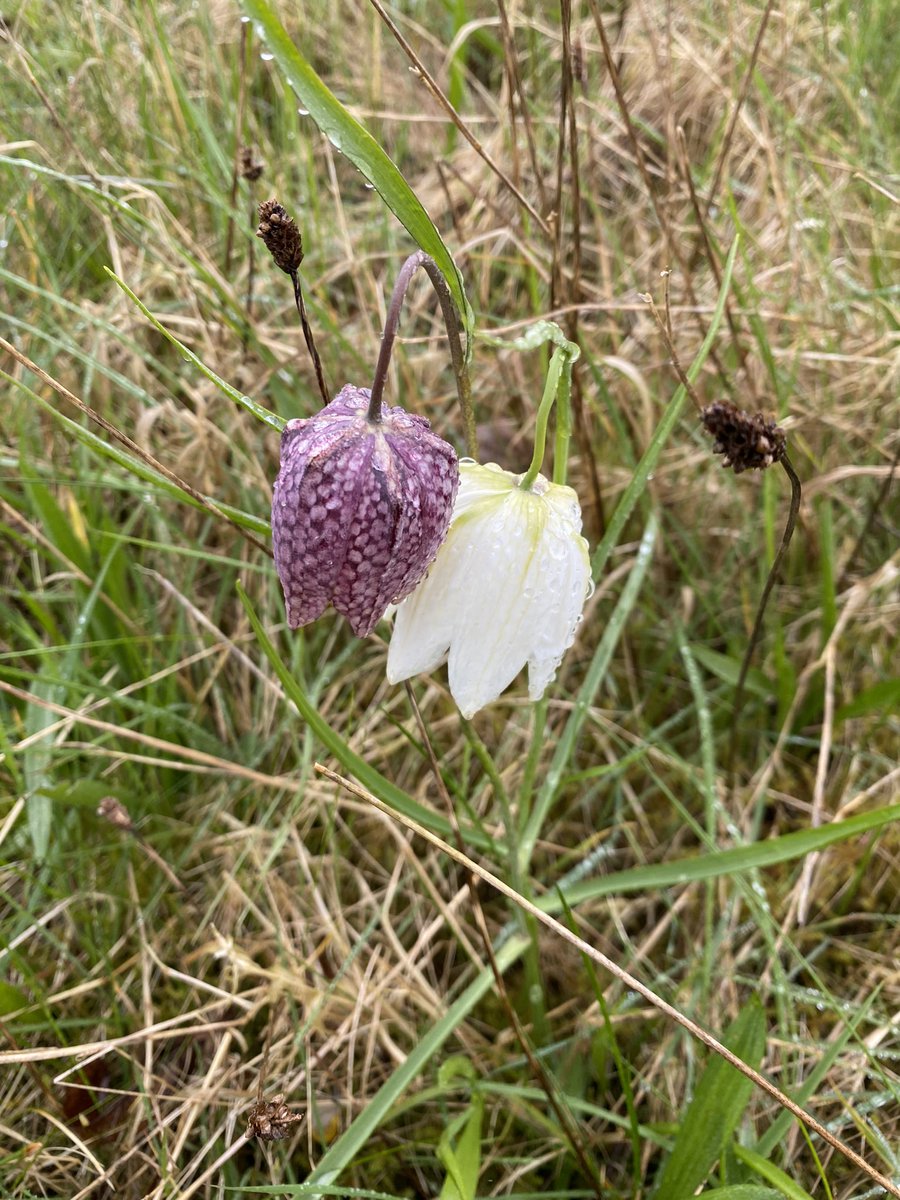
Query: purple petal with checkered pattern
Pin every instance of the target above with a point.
(359, 509)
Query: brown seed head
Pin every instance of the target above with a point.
(749, 441)
(251, 166)
(115, 812)
(281, 236)
(271, 1120)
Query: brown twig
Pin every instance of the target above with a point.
(874, 509)
(238, 145)
(665, 328)
(700, 218)
(672, 243)
(309, 338)
(796, 495)
(514, 77)
(732, 124)
(748, 442)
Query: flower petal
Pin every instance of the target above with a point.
(359, 508)
(507, 588)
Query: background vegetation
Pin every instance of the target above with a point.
(143, 969)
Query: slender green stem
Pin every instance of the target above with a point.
(543, 419)
(563, 423)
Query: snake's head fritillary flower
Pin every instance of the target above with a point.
(507, 588)
(359, 509)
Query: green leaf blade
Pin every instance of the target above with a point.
(714, 1112)
(354, 141)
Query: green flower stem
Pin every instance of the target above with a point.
(563, 422)
(543, 418)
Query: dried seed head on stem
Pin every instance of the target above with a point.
(282, 239)
(748, 441)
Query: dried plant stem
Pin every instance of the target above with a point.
(700, 218)
(251, 282)
(310, 339)
(514, 76)
(238, 143)
(130, 445)
(665, 328)
(673, 246)
(563, 1114)
(624, 977)
(732, 124)
(874, 509)
(443, 101)
(451, 323)
(796, 496)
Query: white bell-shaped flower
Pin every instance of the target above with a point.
(507, 588)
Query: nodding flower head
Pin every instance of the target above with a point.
(507, 588)
(359, 510)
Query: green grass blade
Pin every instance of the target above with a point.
(376, 783)
(783, 1183)
(724, 862)
(741, 1191)
(342, 1153)
(257, 410)
(715, 1110)
(348, 136)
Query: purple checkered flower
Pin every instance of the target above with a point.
(359, 510)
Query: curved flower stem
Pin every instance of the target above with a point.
(543, 417)
(761, 610)
(451, 322)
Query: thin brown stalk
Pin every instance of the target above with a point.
(732, 124)
(568, 124)
(875, 508)
(624, 977)
(700, 218)
(665, 328)
(443, 101)
(251, 283)
(539, 1071)
(559, 204)
(238, 146)
(673, 246)
(130, 445)
(309, 338)
(796, 495)
(796, 492)
(514, 75)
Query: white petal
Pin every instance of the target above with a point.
(496, 628)
(565, 562)
(507, 588)
(423, 625)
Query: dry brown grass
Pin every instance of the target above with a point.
(302, 915)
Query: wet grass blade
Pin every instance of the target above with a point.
(348, 136)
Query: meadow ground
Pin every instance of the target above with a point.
(190, 908)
